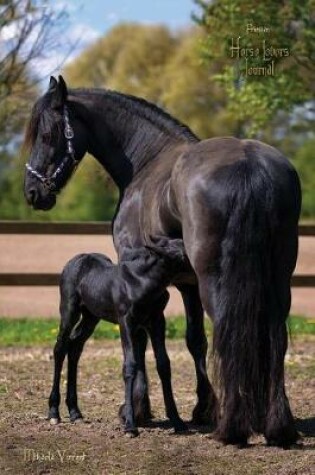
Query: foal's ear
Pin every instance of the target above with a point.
(59, 93)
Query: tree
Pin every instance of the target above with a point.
(190, 93)
(265, 53)
(130, 59)
(29, 30)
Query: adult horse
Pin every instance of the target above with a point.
(235, 203)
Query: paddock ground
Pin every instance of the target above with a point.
(29, 445)
(34, 253)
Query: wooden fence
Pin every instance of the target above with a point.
(92, 228)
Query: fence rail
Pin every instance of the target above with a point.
(93, 228)
(88, 227)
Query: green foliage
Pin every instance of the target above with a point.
(305, 164)
(154, 63)
(129, 59)
(245, 56)
(205, 91)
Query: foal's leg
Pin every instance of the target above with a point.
(129, 371)
(205, 411)
(141, 401)
(70, 314)
(163, 366)
(86, 328)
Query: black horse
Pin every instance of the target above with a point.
(93, 288)
(235, 203)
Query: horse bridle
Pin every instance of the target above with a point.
(50, 181)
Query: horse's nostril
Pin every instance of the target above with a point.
(32, 195)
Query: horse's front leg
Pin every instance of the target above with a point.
(205, 411)
(157, 334)
(129, 371)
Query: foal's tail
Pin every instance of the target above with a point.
(245, 300)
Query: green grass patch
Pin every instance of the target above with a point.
(30, 331)
(301, 325)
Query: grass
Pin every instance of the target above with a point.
(31, 331)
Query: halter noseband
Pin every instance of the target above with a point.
(49, 182)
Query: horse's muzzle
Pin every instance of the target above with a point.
(39, 200)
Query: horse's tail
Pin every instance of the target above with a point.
(244, 300)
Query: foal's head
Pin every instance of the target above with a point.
(57, 141)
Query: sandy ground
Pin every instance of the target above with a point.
(49, 254)
(30, 446)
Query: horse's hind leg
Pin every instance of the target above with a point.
(157, 334)
(70, 314)
(279, 427)
(205, 411)
(82, 334)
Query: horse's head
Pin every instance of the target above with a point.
(57, 141)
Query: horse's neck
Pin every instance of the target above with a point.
(125, 139)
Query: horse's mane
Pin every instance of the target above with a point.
(131, 104)
(39, 110)
(143, 108)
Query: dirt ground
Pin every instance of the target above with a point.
(50, 253)
(29, 445)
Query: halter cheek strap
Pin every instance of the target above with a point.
(50, 181)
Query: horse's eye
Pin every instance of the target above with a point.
(46, 137)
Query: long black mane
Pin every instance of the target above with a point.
(144, 109)
(150, 127)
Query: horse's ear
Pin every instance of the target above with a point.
(60, 93)
(53, 83)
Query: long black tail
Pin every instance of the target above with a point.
(245, 300)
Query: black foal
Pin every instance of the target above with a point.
(93, 287)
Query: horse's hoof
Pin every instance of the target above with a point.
(204, 416)
(132, 433)
(239, 440)
(75, 416)
(54, 421)
(78, 420)
(285, 437)
(201, 419)
(180, 426)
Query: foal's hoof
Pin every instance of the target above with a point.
(131, 433)
(180, 426)
(54, 421)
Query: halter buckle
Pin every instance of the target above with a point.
(69, 134)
